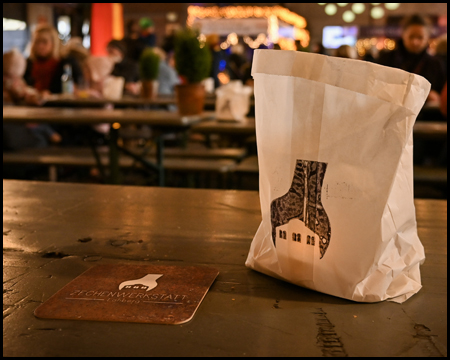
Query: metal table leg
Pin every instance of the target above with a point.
(160, 159)
(158, 167)
(114, 176)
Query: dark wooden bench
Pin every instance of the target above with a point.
(246, 174)
(169, 152)
(84, 157)
(248, 165)
(203, 153)
(422, 174)
(426, 174)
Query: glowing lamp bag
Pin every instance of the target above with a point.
(334, 140)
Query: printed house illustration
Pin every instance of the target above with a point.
(299, 216)
(297, 248)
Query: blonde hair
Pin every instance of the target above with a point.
(46, 28)
(160, 52)
(14, 63)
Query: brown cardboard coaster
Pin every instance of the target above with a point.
(154, 294)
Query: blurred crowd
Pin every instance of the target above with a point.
(31, 80)
(412, 53)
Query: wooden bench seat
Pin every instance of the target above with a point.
(430, 174)
(85, 158)
(206, 153)
(248, 165)
(169, 152)
(421, 173)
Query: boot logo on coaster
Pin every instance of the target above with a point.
(148, 282)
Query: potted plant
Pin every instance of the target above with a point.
(193, 64)
(148, 69)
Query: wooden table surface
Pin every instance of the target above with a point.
(430, 129)
(436, 129)
(23, 114)
(245, 313)
(161, 120)
(125, 101)
(245, 127)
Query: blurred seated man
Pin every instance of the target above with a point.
(124, 67)
(411, 54)
(96, 70)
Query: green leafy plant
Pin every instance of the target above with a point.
(149, 64)
(192, 58)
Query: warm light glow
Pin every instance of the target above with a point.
(365, 45)
(391, 6)
(287, 44)
(377, 12)
(273, 29)
(12, 25)
(358, 8)
(116, 126)
(390, 45)
(342, 4)
(242, 12)
(171, 16)
(232, 39)
(330, 9)
(223, 78)
(348, 16)
(254, 44)
(202, 38)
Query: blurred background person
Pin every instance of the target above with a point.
(95, 71)
(124, 67)
(236, 63)
(218, 56)
(134, 44)
(443, 104)
(346, 51)
(318, 48)
(75, 50)
(441, 50)
(17, 92)
(147, 32)
(45, 66)
(411, 54)
(167, 74)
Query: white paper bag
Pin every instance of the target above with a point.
(113, 87)
(334, 140)
(233, 101)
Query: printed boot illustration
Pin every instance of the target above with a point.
(148, 282)
(303, 202)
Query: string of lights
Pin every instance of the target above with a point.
(273, 14)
